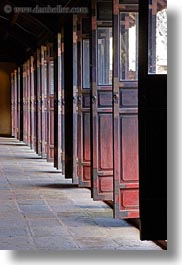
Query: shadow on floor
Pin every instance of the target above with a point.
(58, 186)
(13, 144)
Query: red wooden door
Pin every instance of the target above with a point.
(13, 100)
(50, 103)
(12, 111)
(75, 94)
(84, 128)
(15, 108)
(29, 140)
(35, 103)
(62, 107)
(19, 103)
(32, 106)
(59, 104)
(25, 103)
(102, 133)
(12, 125)
(39, 104)
(125, 107)
(43, 71)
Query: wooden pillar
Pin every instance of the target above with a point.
(152, 139)
(68, 89)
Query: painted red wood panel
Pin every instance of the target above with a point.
(28, 104)
(35, 103)
(62, 106)
(75, 95)
(58, 106)
(32, 105)
(39, 104)
(50, 103)
(101, 105)
(125, 107)
(43, 96)
(15, 104)
(12, 105)
(19, 103)
(25, 103)
(84, 128)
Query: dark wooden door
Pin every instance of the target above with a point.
(84, 128)
(75, 97)
(19, 103)
(59, 103)
(125, 111)
(39, 104)
(29, 140)
(101, 101)
(43, 71)
(13, 104)
(16, 103)
(15, 109)
(50, 103)
(25, 103)
(35, 103)
(153, 119)
(32, 105)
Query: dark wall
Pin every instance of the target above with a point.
(5, 97)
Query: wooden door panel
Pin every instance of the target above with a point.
(104, 99)
(86, 137)
(43, 95)
(83, 136)
(128, 97)
(59, 102)
(50, 103)
(13, 102)
(19, 104)
(28, 105)
(25, 103)
(39, 102)
(51, 150)
(105, 146)
(125, 107)
(75, 97)
(102, 131)
(32, 100)
(62, 103)
(129, 147)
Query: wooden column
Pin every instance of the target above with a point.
(152, 138)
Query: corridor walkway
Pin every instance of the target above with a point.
(41, 210)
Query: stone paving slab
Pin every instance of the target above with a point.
(41, 210)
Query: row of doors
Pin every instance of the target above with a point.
(75, 102)
(33, 102)
(80, 103)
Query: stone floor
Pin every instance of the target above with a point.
(40, 210)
